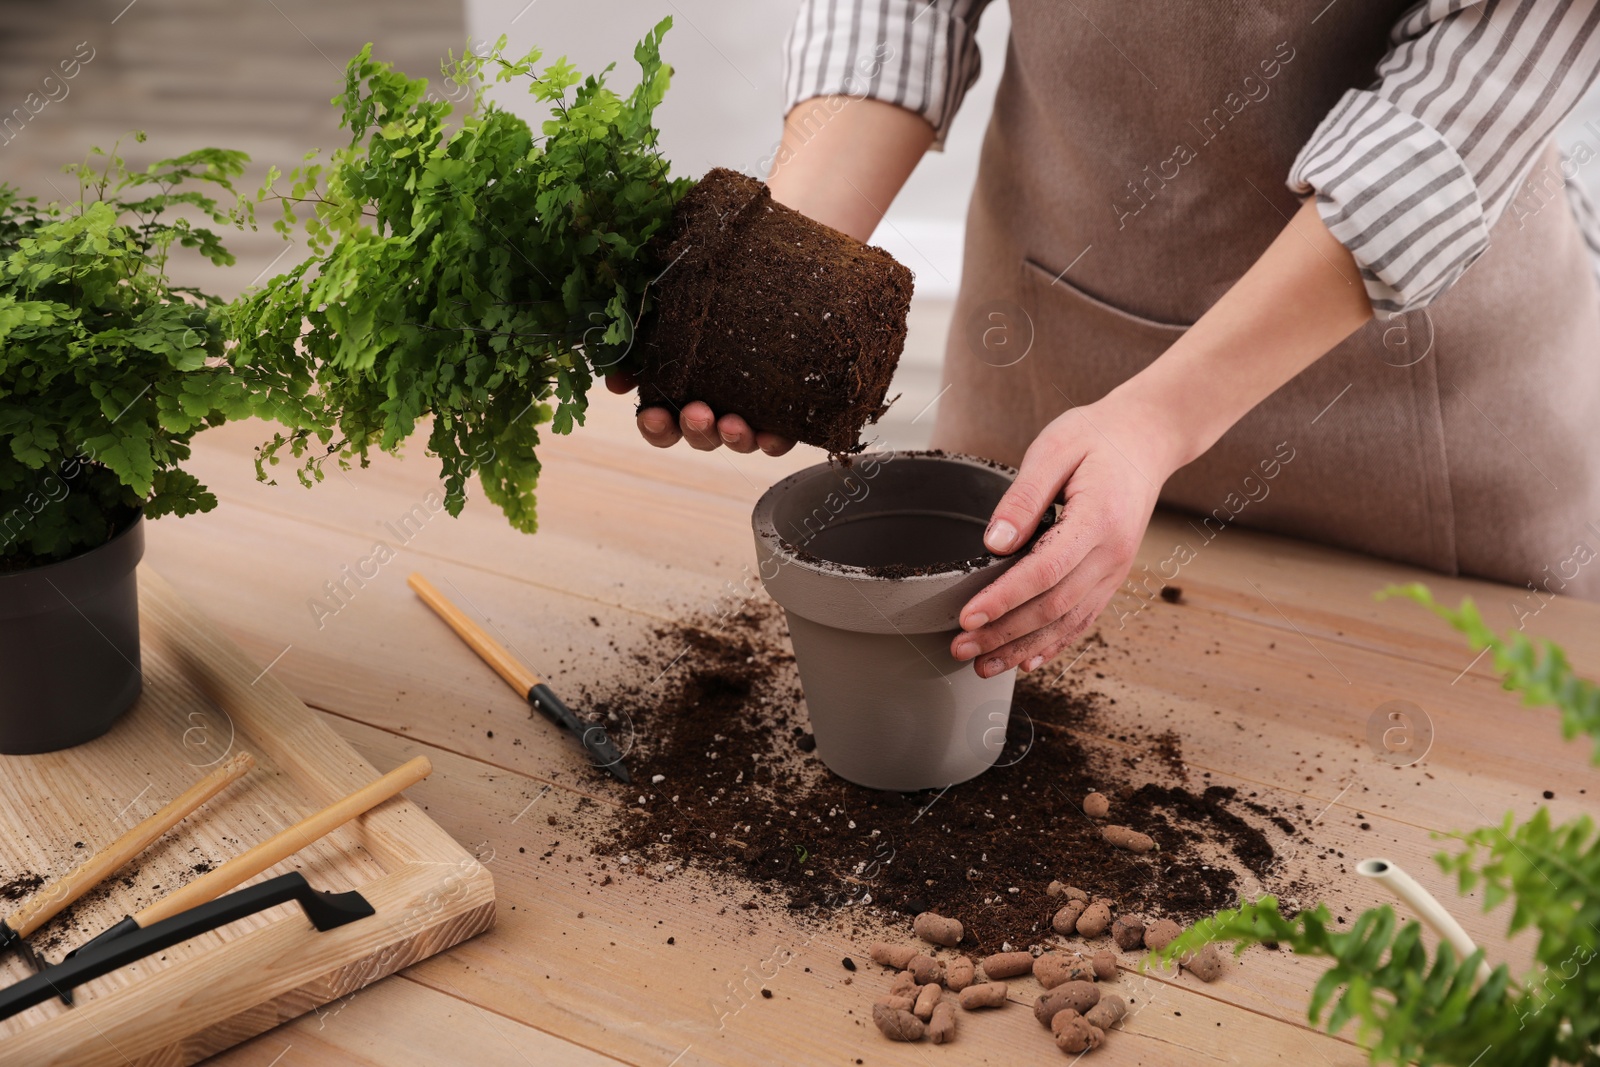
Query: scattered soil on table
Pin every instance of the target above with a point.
(743, 796)
(20, 886)
(763, 312)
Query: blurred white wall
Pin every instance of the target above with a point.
(725, 107)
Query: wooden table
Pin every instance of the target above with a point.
(1273, 662)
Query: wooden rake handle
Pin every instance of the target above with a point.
(492, 652)
(286, 843)
(49, 902)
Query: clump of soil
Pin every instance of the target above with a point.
(763, 312)
(742, 795)
(20, 886)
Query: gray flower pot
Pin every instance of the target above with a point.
(69, 646)
(854, 555)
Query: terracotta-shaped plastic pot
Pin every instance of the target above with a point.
(69, 646)
(872, 565)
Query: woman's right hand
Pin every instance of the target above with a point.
(698, 425)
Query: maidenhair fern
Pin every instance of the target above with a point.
(479, 274)
(1412, 1006)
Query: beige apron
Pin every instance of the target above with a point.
(1134, 168)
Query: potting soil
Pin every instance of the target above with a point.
(743, 796)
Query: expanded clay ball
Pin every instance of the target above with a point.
(1074, 1033)
(897, 1025)
(937, 929)
(896, 956)
(942, 1027)
(1054, 968)
(1065, 920)
(895, 1002)
(1108, 1012)
(984, 995)
(904, 985)
(1059, 889)
(959, 973)
(926, 1001)
(1094, 920)
(1128, 933)
(1159, 934)
(1104, 963)
(1096, 806)
(924, 969)
(1007, 965)
(1078, 995)
(1131, 840)
(1205, 965)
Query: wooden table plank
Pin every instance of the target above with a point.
(399, 1021)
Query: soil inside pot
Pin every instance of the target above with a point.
(905, 544)
(763, 312)
(743, 797)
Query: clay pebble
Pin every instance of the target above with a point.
(983, 995)
(937, 929)
(1205, 965)
(1060, 889)
(1108, 1012)
(1078, 995)
(959, 973)
(1096, 806)
(887, 955)
(927, 999)
(1065, 920)
(924, 969)
(904, 985)
(1124, 838)
(1094, 920)
(897, 1025)
(1074, 1033)
(1128, 933)
(1054, 968)
(942, 1027)
(1159, 934)
(895, 1002)
(1104, 963)
(1007, 965)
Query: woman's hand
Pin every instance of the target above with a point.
(698, 425)
(1111, 457)
(1302, 297)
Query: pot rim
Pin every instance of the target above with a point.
(767, 531)
(34, 572)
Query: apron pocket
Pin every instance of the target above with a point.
(1046, 286)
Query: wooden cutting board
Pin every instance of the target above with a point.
(202, 701)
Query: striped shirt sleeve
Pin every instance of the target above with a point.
(1412, 173)
(921, 55)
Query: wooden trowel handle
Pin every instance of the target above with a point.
(49, 901)
(492, 652)
(286, 843)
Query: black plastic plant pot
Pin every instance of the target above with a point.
(69, 646)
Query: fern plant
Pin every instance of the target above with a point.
(478, 274)
(1413, 1006)
(107, 368)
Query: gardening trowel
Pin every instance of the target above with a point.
(593, 737)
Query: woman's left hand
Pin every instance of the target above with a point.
(1111, 457)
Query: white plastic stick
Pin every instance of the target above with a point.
(1419, 900)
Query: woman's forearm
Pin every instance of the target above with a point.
(1300, 299)
(842, 159)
